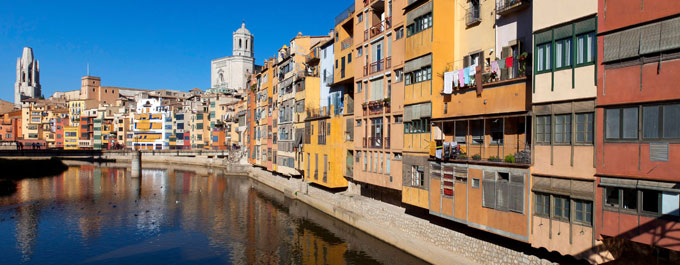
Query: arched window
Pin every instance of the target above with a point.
(246, 44)
(239, 43)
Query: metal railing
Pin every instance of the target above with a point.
(368, 2)
(381, 65)
(376, 142)
(346, 43)
(503, 6)
(472, 16)
(381, 26)
(344, 14)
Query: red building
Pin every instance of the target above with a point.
(638, 129)
(250, 122)
(59, 131)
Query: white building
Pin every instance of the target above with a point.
(231, 73)
(152, 125)
(28, 77)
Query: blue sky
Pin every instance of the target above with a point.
(145, 44)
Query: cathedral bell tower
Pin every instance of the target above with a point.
(243, 42)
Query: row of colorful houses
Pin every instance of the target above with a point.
(555, 129)
(112, 118)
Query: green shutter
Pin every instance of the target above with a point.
(543, 37)
(586, 26)
(563, 32)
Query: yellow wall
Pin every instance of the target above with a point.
(339, 53)
(334, 149)
(415, 197)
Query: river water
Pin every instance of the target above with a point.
(100, 215)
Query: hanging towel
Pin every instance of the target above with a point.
(495, 68)
(473, 70)
(461, 78)
(467, 75)
(508, 61)
(501, 64)
(455, 78)
(448, 83)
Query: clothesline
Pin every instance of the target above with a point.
(464, 77)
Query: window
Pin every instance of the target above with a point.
(621, 123)
(398, 75)
(359, 51)
(563, 129)
(359, 87)
(660, 122)
(419, 24)
(584, 128)
(349, 57)
(387, 163)
(543, 63)
(583, 212)
(461, 132)
(503, 191)
(497, 131)
(542, 204)
(399, 33)
(585, 48)
(563, 53)
(418, 176)
(360, 17)
(561, 207)
(475, 183)
(477, 131)
(651, 201)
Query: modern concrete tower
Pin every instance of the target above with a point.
(28, 77)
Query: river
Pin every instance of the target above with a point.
(100, 215)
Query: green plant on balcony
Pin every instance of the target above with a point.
(522, 59)
(494, 159)
(476, 157)
(509, 158)
(386, 101)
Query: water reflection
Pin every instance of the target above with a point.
(100, 215)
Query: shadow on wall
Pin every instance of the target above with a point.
(663, 231)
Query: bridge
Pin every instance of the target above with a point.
(108, 153)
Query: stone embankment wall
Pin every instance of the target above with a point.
(432, 243)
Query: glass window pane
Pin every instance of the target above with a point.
(630, 123)
(650, 201)
(567, 52)
(629, 199)
(650, 122)
(580, 52)
(548, 63)
(540, 58)
(591, 47)
(671, 121)
(613, 124)
(558, 53)
(612, 196)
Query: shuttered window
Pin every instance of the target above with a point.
(503, 191)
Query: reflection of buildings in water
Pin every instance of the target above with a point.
(27, 229)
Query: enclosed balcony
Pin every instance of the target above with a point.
(505, 7)
(472, 16)
(346, 43)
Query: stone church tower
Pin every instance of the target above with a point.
(243, 42)
(229, 74)
(28, 77)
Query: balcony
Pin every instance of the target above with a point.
(313, 55)
(472, 16)
(387, 143)
(381, 65)
(346, 43)
(376, 142)
(381, 27)
(344, 14)
(376, 107)
(517, 70)
(349, 105)
(505, 7)
(368, 2)
(365, 70)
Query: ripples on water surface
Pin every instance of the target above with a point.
(93, 215)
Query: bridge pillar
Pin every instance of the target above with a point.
(136, 164)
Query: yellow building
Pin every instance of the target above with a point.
(428, 54)
(71, 137)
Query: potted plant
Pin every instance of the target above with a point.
(521, 61)
(510, 158)
(494, 159)
(476, 157)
